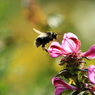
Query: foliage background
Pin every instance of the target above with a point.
(25, 69)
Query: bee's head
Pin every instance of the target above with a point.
(54, 35)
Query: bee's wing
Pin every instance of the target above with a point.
(39, 32)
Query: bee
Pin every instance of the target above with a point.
(44, 38)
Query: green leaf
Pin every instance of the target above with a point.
(68, 92)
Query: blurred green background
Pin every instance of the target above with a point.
(25, 69)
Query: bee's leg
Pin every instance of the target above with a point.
(43, 47)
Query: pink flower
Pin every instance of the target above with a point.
(61, 85)
(70, 45)
(91, 73)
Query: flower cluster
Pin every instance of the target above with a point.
(74, 76)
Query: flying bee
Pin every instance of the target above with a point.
(44, 38)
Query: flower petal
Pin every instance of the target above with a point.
(91, 73)
(55, 49)
(71, 43)
(59, 90)
(61, 85)
(90, 53)
(70, 35)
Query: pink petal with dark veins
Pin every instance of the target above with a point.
(61, 85)
(71, 43)
(90, 53)
(55, 50)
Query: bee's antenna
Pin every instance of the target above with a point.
(60, 33)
